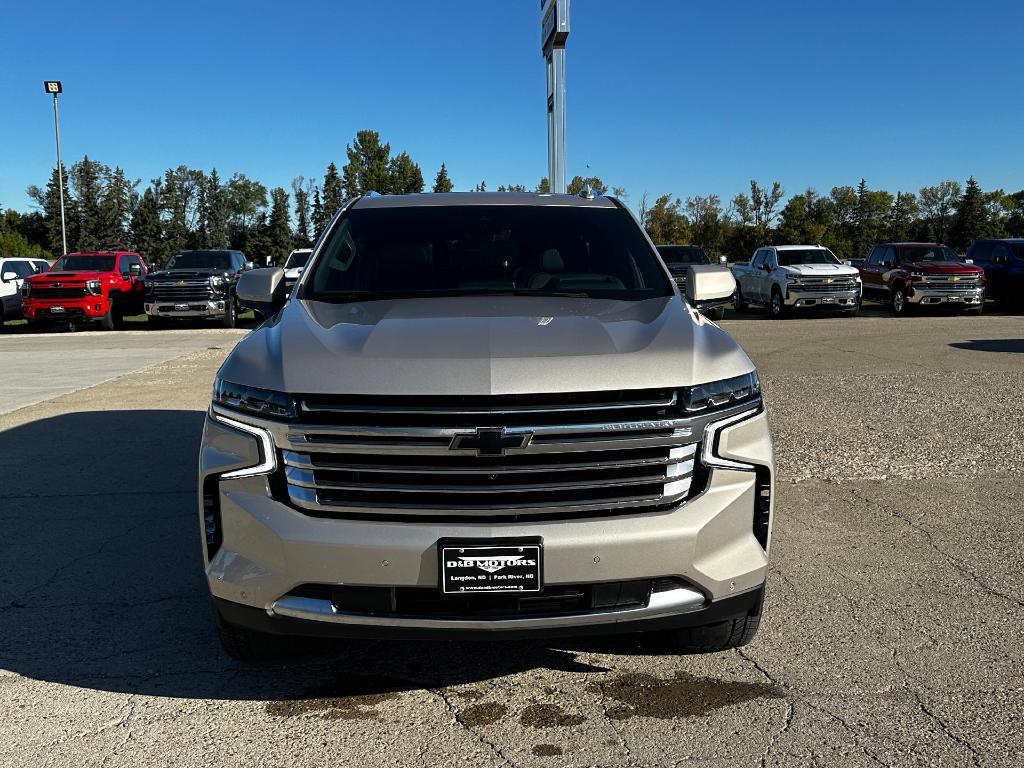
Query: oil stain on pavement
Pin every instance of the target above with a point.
(685, 695)
(548, 716)
(347, 698)
(482, 714)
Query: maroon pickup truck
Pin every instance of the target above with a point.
(908, 275)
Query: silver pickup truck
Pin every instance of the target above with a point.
(486, 415)
(785, 278)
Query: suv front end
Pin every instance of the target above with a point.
(461, 481)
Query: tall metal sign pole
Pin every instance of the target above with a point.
(54, 87)
(554, 26)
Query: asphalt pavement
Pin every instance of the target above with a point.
(892, 633)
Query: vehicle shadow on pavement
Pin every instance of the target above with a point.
(101, 584)
(991, 345)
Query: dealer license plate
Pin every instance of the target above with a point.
(490, 568)
(181, 307)
(56, 310)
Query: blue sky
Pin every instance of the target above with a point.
(664, 95)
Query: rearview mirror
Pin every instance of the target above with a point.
(9, 277)
(262, 290)
(709, 286)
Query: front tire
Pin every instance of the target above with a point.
(777, 307)
(899, 303)
(247, 645)
(230, 319)
(711, 638)
(107, 322)
(739, 302)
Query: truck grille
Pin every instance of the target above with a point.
(190, 291)
(948, 282)
(490, 457)
(823, 284)
(68, 292)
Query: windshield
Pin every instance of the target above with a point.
(76, 262)
(926, 253)
(683, 254)
(297, 259)
(200, 260)
(790, 258)
(381, 253)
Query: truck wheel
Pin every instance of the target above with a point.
(739, 302)
(155, 323)
(716, 313)
(247, 644)
(898, 302)
(734, 633)
(107, 320)
(777, 307)
(976, 310)
(230, 319)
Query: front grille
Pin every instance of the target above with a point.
(827, 285)
(68, 292)
(190, 291)
(947, 282)
(563, 455)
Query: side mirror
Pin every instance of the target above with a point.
(9, 277)
(708, 286)
(249, 265)
(262, 290)
(847, 263)
(135, 270)
(723, 260)
(766, 267)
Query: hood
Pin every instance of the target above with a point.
(942, 267)
(484, 345)
(821, 270)
(79, 274)
(186, 274)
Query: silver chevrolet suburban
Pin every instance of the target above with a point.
(483, 415)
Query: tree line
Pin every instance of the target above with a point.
(191, 208)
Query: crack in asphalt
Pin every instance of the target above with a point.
(490, 745)
(944, 727)
(790, 713)
(958, 564)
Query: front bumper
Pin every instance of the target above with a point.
(796, 297)
(267, 550)
(210, 308)
(968, 296)
(90, 308)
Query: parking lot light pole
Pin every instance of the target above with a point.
(55, 87)
(554, 31)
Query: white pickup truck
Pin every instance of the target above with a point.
(784, 278)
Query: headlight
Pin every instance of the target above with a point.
(259, 402)
(792, 279)
(93, 287)
(721, 394)
(217, 283)
(26, 288)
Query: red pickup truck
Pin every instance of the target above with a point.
(908, 275)
(96, 286)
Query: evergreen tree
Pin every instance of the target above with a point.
(301, 190)
(49, 201)
(972, 218)
(404, 176)
(244, 200)
(87, 184)
(544, 186)
(116, 205)
(367, 169)
(578, 184)
(258, 245)
(481, 187)
(146, 230)
(441, 182)
(902, 215)
(334, 195)
(319, 216)
(215, 212)
(279, 233)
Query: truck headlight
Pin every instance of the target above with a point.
(217, 283)
(722, 393)
(93, 287)
(26, 289)
(792, 280)
(258, 402)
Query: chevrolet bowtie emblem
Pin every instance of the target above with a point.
(180, 282)
(491, 441)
